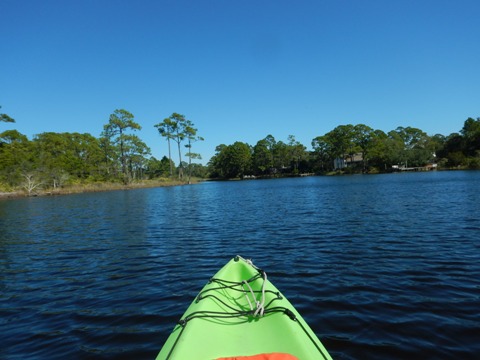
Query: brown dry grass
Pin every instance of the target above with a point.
(95, 187)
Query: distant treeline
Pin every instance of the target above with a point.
(52, 160)
(350, 149)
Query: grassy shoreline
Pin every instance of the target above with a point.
(94, 187)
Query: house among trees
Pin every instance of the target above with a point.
(348, 161)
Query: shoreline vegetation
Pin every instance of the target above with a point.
(63, 163)
(350, 149)
(66, 163)
(167, 182)
(93, 187)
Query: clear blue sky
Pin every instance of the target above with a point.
(240, 70)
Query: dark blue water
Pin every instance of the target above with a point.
(381, 267)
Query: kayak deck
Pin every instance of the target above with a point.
(241, 313)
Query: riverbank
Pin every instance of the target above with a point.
(94, 187)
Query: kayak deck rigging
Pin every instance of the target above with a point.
(237, 300)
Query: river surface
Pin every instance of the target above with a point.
(381, 266)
